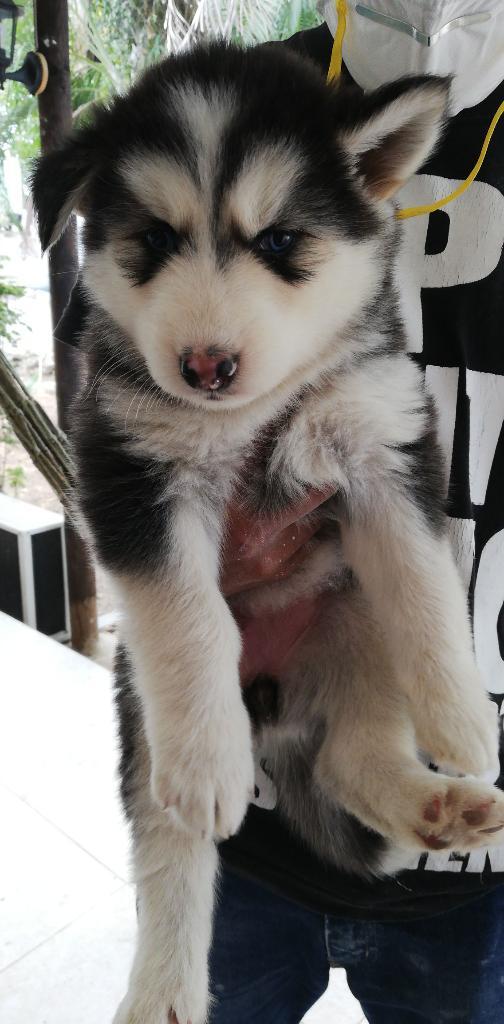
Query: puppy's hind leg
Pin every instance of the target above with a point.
(175, 875)
(368, 760)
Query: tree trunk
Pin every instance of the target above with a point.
(55, 114)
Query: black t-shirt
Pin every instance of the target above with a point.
(451, 283)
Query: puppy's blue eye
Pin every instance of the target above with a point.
(276, 241)
(162, 239)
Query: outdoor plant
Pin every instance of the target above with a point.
(22, 418)
(9, 318)
(117, 40)
(17, 479)
(14, 476)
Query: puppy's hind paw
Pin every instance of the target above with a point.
(460, 814)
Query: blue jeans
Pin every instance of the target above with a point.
(271, 958)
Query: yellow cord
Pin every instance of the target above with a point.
(337, 50)
(411, 211)
(415, 211)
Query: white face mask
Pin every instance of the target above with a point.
(386, 39)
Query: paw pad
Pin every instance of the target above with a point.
(432, 811)
(433, 842)
(478, 815)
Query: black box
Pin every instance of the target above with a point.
(33, 577)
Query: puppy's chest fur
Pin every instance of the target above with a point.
(239, 456)
(251, 459)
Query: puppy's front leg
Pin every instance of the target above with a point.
(174, 876)
(185, 648)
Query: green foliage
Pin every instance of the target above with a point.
(18, 110)
(294, 15)
(122, 38)
(9, 318)
(297, 16)
(16, 478)
(19, 131)
(6, 435)
(111, 41)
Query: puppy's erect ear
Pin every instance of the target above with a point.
(59, 182)
(393, 130)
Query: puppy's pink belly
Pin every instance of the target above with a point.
(270, 639)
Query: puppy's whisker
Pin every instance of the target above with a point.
(129, 375)
(101, 372)
(157, 395)
(139, 391)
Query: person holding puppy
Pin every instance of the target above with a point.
(425, 944)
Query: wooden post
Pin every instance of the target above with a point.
(55, 115)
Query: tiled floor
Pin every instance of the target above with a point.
(67, 916)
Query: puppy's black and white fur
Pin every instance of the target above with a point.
(239, 238)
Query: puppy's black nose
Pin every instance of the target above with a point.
(209, 371)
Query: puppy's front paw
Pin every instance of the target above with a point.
(205, 780)
(152, 999)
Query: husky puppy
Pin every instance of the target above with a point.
(243, 337)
